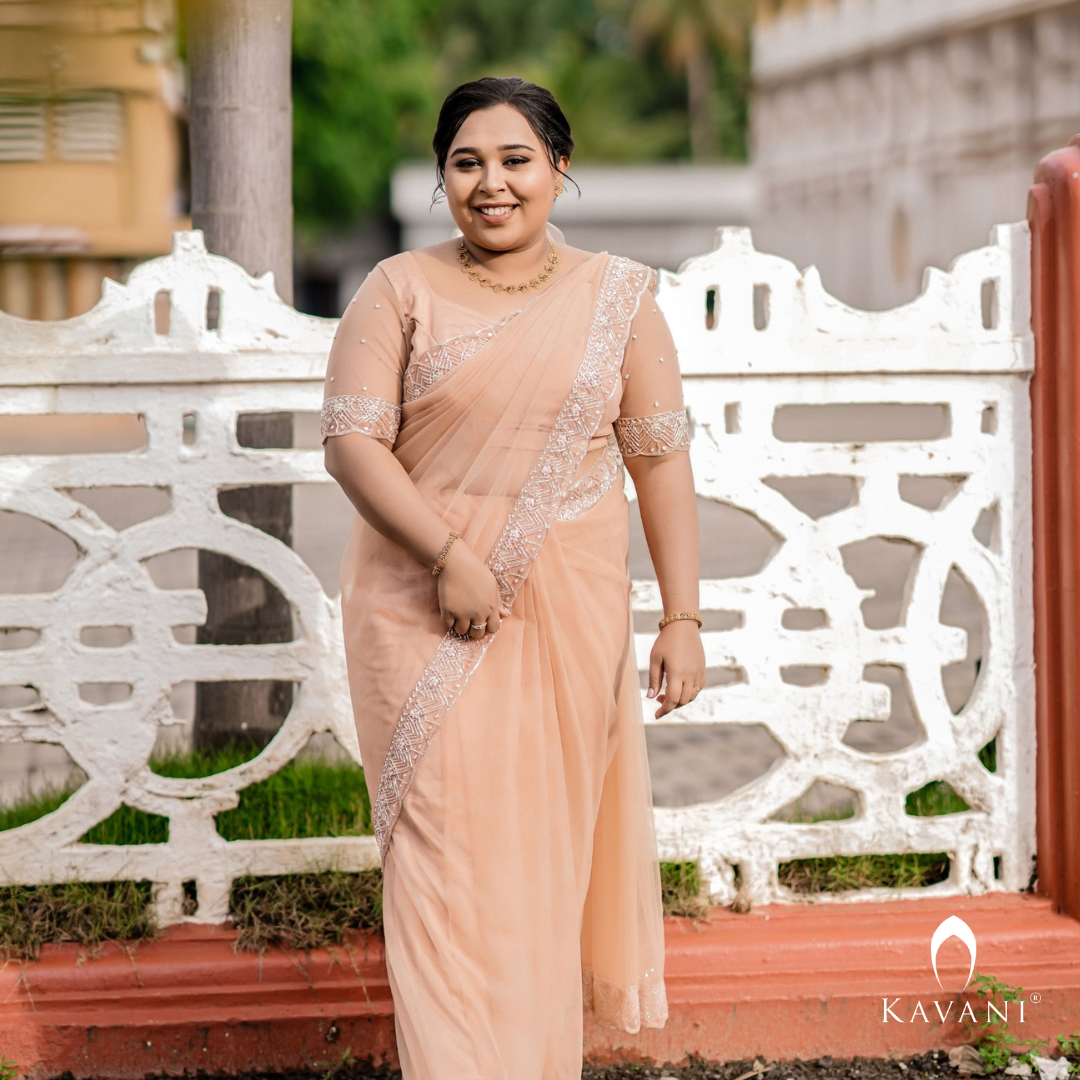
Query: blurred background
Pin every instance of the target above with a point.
(872, 138)
(869, 137)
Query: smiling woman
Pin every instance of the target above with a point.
(481, 396)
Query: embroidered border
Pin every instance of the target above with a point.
(627, 1008)
(594, 485)
(366, 414)
(653, 436)
(519, 543)
(430, 366)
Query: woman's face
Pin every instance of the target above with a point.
(499, 181)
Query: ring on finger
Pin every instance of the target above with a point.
(477, 626)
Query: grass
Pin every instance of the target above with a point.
(681, 889)
(841, 873)
(89, 913)
(305, 911)
(318, 797)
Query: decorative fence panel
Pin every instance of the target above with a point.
(191, 342)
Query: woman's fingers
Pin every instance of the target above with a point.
(656, 672)
(678, 691)
(494, 622)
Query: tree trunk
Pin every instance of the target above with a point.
(239, 55)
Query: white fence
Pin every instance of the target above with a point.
(191, 342)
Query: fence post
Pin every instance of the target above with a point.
(1054, 215)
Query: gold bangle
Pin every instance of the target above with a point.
(440, 559)
(679, 617)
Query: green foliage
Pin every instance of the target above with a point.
(364, 90)
(1069, 1044)
(681, 889)
(88, 913)
(8, 1069)
(368, 79)
(988, 755)
(934, 799)
(993, 1039)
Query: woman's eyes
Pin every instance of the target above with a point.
(471, 163)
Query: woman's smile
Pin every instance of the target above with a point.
(496, 211)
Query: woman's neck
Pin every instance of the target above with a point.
(512, 266)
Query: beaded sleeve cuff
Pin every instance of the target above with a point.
(652, 436)
(368, 415)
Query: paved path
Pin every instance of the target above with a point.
(690, 763)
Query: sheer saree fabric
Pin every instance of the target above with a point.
(508, 777)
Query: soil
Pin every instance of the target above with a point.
(930, 1066)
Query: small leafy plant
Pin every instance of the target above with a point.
(995, 1043)
(8, 1069)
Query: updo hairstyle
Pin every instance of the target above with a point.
(536, 104)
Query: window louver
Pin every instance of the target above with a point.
(75, 127)
(23, 133)
(88, 128)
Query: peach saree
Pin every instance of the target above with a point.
(509, 780)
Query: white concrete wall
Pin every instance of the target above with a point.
(658, 214)
(889, 135)
(963, 352)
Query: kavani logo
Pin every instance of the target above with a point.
(952, 927)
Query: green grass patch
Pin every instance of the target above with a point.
(935, 799)
(842, 873)
(305, 911)
(31, 807)
(318, 797)
(126, 825)
(88, 913)
(682, 889)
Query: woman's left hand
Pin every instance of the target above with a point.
(679, 660)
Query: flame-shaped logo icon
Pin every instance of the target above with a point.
(953, 926)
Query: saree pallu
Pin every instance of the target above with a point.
(509, 778)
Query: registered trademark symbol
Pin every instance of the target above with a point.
(1035, 998)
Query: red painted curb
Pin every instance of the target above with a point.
(784, 981)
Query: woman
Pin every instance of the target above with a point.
(480, 397)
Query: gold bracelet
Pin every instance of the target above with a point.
(440, 559)
(680, 616)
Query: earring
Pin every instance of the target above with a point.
(559, 190)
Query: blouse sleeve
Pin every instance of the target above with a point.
(652, 420)
(362, 392)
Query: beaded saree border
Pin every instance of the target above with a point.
(518, 545)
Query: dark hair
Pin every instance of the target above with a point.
(536, 104)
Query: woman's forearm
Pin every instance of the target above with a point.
(384, 495)
(665, 489)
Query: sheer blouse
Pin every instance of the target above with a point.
(398, 337)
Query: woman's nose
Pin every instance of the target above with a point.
(492, 180)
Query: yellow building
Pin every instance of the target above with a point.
(90, 142)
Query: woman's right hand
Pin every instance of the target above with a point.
(468, 594)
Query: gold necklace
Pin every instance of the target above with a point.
(464, 257)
